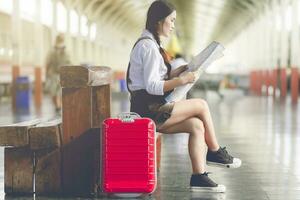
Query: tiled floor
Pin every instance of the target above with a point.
(263, 132)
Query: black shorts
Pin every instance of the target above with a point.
(151, 106)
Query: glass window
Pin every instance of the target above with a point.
(84, 26)
(278, 22)
(28, 9)
(74, 23)
(47, 12)
(6, 6)
(2, 50)
(93, 31)
(288, 18)
(61, 17)
(298, 12)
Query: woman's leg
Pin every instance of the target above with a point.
(186, 109)
(54, 101)
(197, 147)
(58, 102)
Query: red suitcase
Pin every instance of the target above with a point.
(129, 160)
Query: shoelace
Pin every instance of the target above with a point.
(211, 182)
(225, 153)
(206, 173)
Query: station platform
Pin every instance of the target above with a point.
(264, 132)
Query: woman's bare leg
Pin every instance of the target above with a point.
(197, 146)
(58, 102)
(186, 109)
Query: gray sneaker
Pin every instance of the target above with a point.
(221, 158)
(202, 183)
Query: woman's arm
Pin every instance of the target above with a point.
(176, 72)
(189, 77)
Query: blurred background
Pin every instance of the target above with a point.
(261, 39)
(253, 89)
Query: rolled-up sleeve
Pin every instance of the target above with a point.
(151, 62)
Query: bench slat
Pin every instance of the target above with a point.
(45, 135)
(16, 135)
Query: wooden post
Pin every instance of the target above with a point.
(259, 82)
(295, 84)
(15, 74)
(252, 81)
(86, 103)
(38, 87)
(283, 80)
(274, 81)
(76, 108)
(85, 99)
(264, 82)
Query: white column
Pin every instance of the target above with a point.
(259, 36)
(295, 41)
(278, 33)
(54, 22)
(284, 35)
(39, 40)
(273, 36)
(69, 43)
(16, 34)
(268, 59)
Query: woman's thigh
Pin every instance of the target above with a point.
(184, 110)
(185, 126)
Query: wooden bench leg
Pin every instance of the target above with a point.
(18, 167)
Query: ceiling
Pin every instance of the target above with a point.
(198, 21)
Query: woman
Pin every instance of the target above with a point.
(56, 58)
(150, 80)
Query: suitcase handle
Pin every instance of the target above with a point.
(128, 116)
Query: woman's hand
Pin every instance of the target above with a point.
(178, 71)
(187, 77)
(184, 78)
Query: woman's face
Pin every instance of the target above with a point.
(166, 26)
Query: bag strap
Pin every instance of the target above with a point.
(128, 68)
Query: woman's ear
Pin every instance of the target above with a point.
(160, 25)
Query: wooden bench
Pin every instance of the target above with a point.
(62, 155)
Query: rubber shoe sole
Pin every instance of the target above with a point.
(218, 189)
(235, 164)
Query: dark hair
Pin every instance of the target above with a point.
(158, 11)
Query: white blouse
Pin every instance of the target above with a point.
(147, 67)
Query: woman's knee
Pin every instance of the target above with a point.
(202, 105)
(197, 126)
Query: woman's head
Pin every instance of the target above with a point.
(161, 18)
(60, 41)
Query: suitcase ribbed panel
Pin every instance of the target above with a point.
(129, 156)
